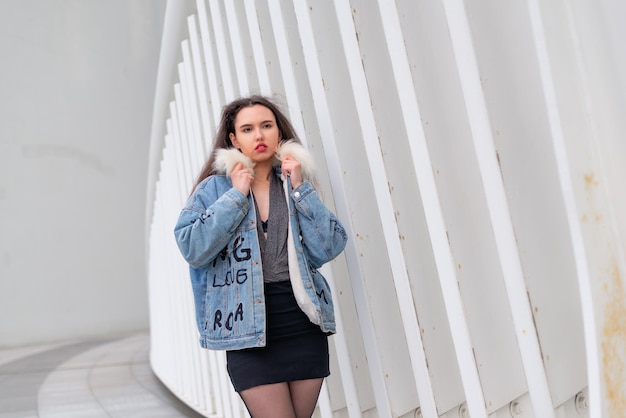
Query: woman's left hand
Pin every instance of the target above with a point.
(292, 167)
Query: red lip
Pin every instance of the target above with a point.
(260, 147)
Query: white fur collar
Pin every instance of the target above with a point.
(227, 158)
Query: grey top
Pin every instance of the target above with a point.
(274, 247)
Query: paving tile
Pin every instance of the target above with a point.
(66, 394)
(11, 354)
(89, 379)
(17, 397)
(20, 379)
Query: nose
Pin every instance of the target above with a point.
(258, 134)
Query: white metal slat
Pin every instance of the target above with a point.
(181, 148)
(199, 68)
(602, 248)
(169, 167)
(223, 52)
(352, 402)
(211, 68)
(411, 109)
(171, 298)
(231, 403)
(536, 209)
(240, 62)
(464, 209)
(498, 208)
(199, 104)
(395, 253)
(188, 107)
(326, 131)
(565, 177)
(257, 48)
(369, 237)
(178, 299)
(345, 363)
(347, 378)
(168, 269)
(180, 127)
(264, 19)
(437, 90)
(286, 64)
(187, 164)
(176, 158)
(156, 273)
(185, 325)
(217, 380)
(323, 402)
(218, 392)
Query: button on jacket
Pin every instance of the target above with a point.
(217, 234)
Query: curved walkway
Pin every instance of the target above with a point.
(87, 379)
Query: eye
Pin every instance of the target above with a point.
(267, 125)
(246, 129)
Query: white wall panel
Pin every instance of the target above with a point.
(474, 153)
(77, 94)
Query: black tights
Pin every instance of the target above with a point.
(283, 400)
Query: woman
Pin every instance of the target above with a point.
(254, 232)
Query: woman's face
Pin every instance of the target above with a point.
(256, 133)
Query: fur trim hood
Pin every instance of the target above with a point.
(227, 158)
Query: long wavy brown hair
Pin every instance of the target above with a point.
(227, 126)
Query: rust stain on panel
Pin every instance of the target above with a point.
(590, 180)
(614, 344)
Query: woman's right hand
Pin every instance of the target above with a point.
(241, 178)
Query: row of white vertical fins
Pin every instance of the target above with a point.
(192, 97)
(432, 210)
(495, 196)
(222, 50)
(323, 402)
(211, 72)
(181, 146)
(341, 346)
(235, 44)
(199, 71)
(385, 207)
(257, 48)
(567, 188)
(167, 187)
(326, 132)
(175, 149)
(343, 358)
(190, 102)
(183, 134)
(286, 65)
(180, 136)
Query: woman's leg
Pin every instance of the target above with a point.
(269, 401)
(304, 395)
(283, 400)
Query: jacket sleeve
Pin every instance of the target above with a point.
(207, 223)
(323, 235)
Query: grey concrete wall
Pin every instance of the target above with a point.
(76, 97)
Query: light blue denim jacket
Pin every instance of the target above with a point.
(217, 234)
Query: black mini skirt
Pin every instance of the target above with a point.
(296, 349)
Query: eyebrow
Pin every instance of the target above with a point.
(243, 125)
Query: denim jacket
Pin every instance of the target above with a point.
(217, 234)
